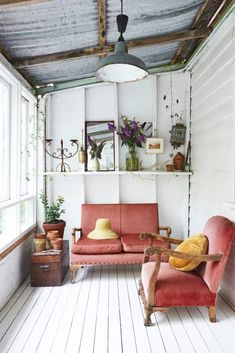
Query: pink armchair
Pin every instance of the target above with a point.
(162, 286)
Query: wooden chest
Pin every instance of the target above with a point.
(50, 269)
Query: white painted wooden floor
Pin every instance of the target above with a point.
(102, 313)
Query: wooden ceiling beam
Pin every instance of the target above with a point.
(205, 18)
(13, 3)
(106, 49)
(102, 22)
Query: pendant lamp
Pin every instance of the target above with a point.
(121, 66)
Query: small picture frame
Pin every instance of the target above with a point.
(154, 145)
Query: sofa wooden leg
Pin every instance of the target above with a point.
(147, 319)
(73, 271)
(212, 314)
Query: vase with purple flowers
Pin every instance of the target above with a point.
(133, 135)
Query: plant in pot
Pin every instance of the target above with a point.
(52, 214)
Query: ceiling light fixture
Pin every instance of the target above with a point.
(121, 66)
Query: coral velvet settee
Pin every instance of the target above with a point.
(128, 221)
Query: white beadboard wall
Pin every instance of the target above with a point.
(66, 113)
(212, 185)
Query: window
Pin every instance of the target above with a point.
(17, 159)
(24, 152)
(5, 92)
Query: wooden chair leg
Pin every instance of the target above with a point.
(73, 271)
(212, 314)
(147, 319)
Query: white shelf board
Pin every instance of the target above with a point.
(120, 172)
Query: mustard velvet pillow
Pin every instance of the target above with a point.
(195, 245)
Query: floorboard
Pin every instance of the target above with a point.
(102, 313)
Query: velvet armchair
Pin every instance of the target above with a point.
(162, 286)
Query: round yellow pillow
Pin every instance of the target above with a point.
(195, 245)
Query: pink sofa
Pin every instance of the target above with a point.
(128, 220)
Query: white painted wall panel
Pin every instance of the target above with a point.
(213, 136)
(68, 112)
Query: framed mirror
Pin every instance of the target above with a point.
(99, 144)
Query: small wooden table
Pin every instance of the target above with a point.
(49, 268)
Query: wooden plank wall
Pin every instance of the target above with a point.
(213, 136)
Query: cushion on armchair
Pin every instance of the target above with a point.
(194, 245)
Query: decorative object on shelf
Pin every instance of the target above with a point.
(178, 132)
(154, 145)
(170, 167)
(132, 159)
(178, 161)
(169, 164)
(95, 152)
(62, 154)
(99, 144)
(121, 66)
(132, 134)
(82, 154)
(52, 214)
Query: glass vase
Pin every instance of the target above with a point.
(132, 159)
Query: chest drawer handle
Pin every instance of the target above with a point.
(44, 267)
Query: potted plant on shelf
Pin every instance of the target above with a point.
(52, 214)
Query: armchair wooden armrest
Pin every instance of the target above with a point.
(156, 236)
(166, 229)
(159, 251)
(74, 230)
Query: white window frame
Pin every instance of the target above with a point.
(15, 229)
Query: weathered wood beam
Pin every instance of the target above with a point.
(200, 13)
(103, 50)
(13, 3)
(208, 13)
(102, 22)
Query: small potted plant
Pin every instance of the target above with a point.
(52, 214)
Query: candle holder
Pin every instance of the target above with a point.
(62, 153)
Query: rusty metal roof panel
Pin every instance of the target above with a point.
(48, 27)
(156, 55)
(85, 67)
(150, 18)
(60, 71)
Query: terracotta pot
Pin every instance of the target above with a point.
(60, 225)
(169, 167)
(40, 242)
(57, 243)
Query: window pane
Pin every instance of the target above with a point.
(27, 214)
(24, 147)
(8, 222)
(5, 90)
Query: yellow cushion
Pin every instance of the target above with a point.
(195, 245)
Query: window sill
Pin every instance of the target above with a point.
(8, 245)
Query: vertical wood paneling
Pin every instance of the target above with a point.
(213, 134)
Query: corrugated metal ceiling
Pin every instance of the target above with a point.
(31, 31)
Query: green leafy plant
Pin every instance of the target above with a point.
(52, 212)
(96, 149)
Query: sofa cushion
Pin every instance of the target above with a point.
(133, 243)
(91, 246)
(139, 218)
(91, 212)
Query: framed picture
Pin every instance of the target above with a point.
(154, 145)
